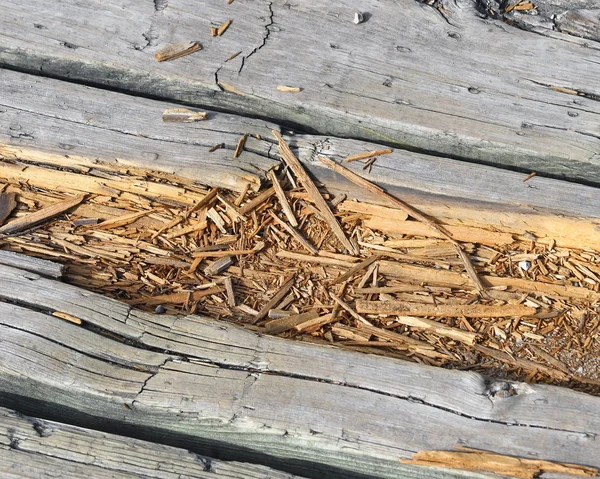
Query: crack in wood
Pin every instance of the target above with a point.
(266, 36)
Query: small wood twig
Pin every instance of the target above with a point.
(285, 205)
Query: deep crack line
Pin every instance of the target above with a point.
(266, 36)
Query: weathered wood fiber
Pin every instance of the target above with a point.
(306, 409)
(35, 448)
(53, 122)
(465, 87)
(29, 263)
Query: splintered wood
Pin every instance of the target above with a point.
(292, 260)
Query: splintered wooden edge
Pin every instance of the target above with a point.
(176, 50)
(183, 115)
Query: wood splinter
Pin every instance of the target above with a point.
(183, 115)
(176, 50)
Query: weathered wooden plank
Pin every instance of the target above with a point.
(407, 76)
(29, 263)
(303, 408)
(48, 121)
(31, 447)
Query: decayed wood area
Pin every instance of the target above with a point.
(452, 78)
(213, 387)
(34, 447)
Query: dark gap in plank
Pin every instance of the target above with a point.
(212, 448)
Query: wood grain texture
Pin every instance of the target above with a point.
(307, 409)
(30, 263)
(52, 122)
(31, 447)
(466, 87)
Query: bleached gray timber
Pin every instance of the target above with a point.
(46, 121)
(31, 447)
(463, 86)
(306, 409)
(30, 263)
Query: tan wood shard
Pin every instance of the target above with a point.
(313, 192)
(176, 50)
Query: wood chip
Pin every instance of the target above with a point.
(177, 298)
(176, 50)
(475, 460)
(223, 27)
(240, 145)
(183, 115)
(289, 89)
(443, 310)
(434, 327)
(275, 300)
(228, 282)
(67, 317)
(313, 192)
(7, 204)
(285, 205)
(278, 326)
(295, 233)
(218, 266)
(40, 216)
(368, 154)
(122, 220)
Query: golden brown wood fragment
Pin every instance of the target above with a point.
(313, 191)
(7, 204)
(281, 325)
(395, 337)
(357, 268)
(439, 329)
(346, 307)
(289, 89)
(122, 220)
(233, 56)
(229, 88)
(299, 237)
(314, 259)
(216, 147)
(368, 154)
(529, 176)
(223, 27)
(219, 254)
(275, 300)
(549, 358)
(40, 216)
(240, 145)
(442, 310)
(213, 31)
(218, 266)
(176, 298)
(176, 50)
(285, 205)
(256, 202)
(228, 283)
(183, 115)
(193, 228)
(483, 461)
(67, 317)
(314, 324)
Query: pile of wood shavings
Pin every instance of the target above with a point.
(269, 261)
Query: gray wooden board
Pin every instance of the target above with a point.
(83, 125)
(29, 263)
(468, 87)
(35, 448)
(303, 408)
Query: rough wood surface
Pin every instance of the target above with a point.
(31, 447)
(30, 263)
(440, 80)
(306, 409)
(51, 122)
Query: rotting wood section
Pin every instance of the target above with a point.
(197, 383)
(34, 447)
(520, 99)
(74, 127)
